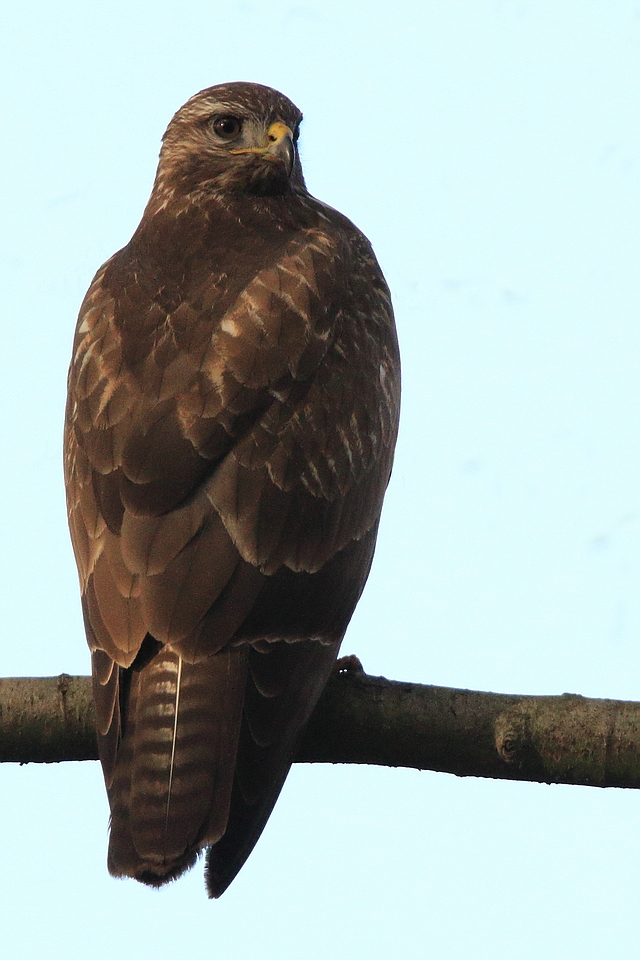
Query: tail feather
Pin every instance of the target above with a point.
(171, 789)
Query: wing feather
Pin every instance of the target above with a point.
(229, 439)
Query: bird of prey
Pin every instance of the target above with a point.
(231, 419)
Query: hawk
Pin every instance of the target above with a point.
(232, 412)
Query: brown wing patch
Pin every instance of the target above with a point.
(310, 475)
(280, 417)
(275, 710)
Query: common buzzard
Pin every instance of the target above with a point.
(232, 414)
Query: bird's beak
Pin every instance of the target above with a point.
(278, 147)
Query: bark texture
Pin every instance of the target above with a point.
(363, 719)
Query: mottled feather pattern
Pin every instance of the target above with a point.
(232, 413)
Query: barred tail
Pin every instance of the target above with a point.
(171, 786)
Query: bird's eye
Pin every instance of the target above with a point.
(227, 128)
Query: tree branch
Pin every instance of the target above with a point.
(363, 719)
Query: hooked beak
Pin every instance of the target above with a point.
(279, 146)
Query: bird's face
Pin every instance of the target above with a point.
(237, 138)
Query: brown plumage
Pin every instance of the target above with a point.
(232, 414)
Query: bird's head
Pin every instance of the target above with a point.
(232, 139)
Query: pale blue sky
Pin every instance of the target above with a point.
(490, 149)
